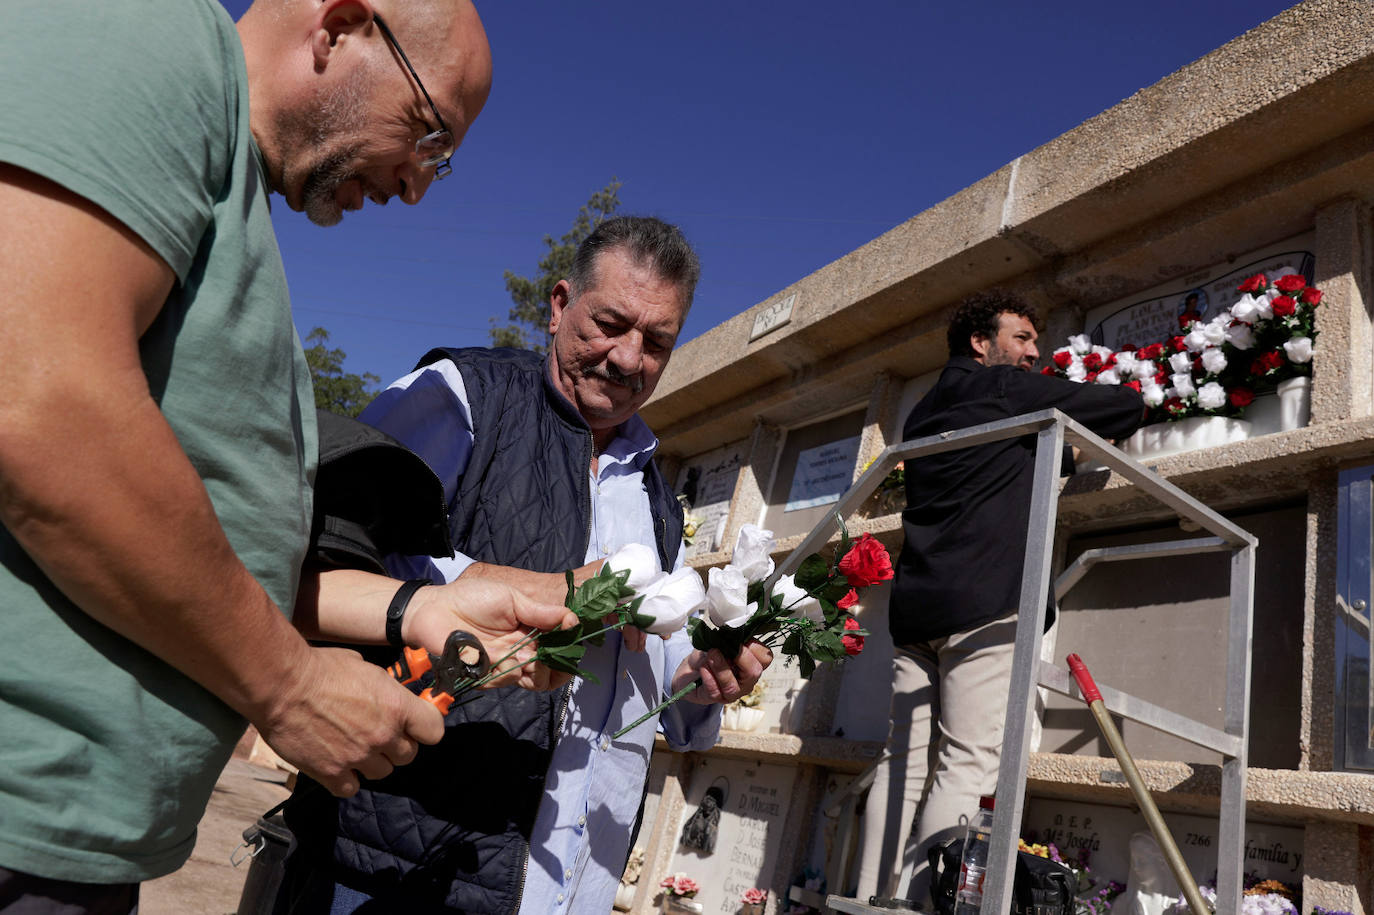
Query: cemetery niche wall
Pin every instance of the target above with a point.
(1166, 204)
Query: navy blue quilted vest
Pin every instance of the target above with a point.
(450, 831)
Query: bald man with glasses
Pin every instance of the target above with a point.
(159, 440)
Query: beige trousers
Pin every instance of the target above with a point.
(949, 705)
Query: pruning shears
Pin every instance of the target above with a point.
(463, 661)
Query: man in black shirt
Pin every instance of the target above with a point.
(958, 583)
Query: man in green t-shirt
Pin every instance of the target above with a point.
(158, 441)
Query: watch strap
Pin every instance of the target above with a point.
(396, 610)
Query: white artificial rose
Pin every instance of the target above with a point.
(1103, 352)
(1076, 372)
(1241, 336)
(1181, 362)
(1264, 308)
(1108, 376)
(1195, 340)
(1145, 369)
(1213, 360)
(1246, 309)
(727, 598)
(1183, 384)
(1211, 396)
(752, 549)
(639, 560)
(670, 598)
(1215, 330)
(797, 602)
(1126, 363)
(1299, 349)
(1080, 344)
(1153, 394)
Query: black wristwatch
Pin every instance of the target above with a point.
(396, 610)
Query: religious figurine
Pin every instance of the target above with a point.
(702, 827)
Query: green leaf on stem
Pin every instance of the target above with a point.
(813, 573)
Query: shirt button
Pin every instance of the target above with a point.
(581, 821)
(560, 897)
(605, 743)
(567, 875)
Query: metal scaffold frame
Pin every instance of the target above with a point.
(1052, 429)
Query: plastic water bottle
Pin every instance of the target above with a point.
(968, 898)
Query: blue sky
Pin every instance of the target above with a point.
(780, 136)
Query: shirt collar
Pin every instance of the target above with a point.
(634, 445)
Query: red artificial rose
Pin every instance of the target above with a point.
(1188, 317)
(1266, 363)
(1129, 347)
(1311, 297)
(1174, 405)
(853, 644)
(1256, 283)
(1284, 306)
(1153, 351)
(1064, 359)
(1090, 378)
(1092, 362)
(1177, 344)
(1047, 370)
(1290, 283)
(849, 600)
(1161, 377)
(866, 563)
(1241, 397)
(1133, 385)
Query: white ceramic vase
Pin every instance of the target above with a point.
(1289, 407)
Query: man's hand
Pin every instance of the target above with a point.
(497, 614)
(339, 714)
(722, 680)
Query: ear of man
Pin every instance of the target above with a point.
(336, 21)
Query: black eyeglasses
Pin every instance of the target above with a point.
(436, 147)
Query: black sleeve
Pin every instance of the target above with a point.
(1111, 411)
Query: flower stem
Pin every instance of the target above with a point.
(656, 709)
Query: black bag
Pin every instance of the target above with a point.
(268, 843)
(1040, 886)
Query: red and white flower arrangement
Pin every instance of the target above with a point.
(1210, 368)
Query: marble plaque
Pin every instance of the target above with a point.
(742, 806)
(1153, 315)
(784, 698)
(1274, 852)
(823, 474)
(709, 484)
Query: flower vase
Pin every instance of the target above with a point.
(678, 905)
(750, 718)
(624, 897)
(1265, 414)
(1295, 402)
(752, 908)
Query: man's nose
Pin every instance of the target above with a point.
(413, 181)
(628, 354)
(1032, 352)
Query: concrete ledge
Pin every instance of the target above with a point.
(1272, 794)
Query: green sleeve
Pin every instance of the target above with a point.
(124, 104)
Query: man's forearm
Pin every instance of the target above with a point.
(97, 490)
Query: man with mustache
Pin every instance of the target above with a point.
(529, 803)
(159, 440)
(958, 582)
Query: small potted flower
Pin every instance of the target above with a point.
(753, 901)
(678, 890)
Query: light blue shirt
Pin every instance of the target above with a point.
(582, 830)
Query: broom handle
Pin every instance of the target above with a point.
(1172, 855)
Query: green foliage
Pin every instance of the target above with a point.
(529, 319)
(336, 390)
(597, 599)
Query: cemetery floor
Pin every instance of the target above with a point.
(208, 884)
